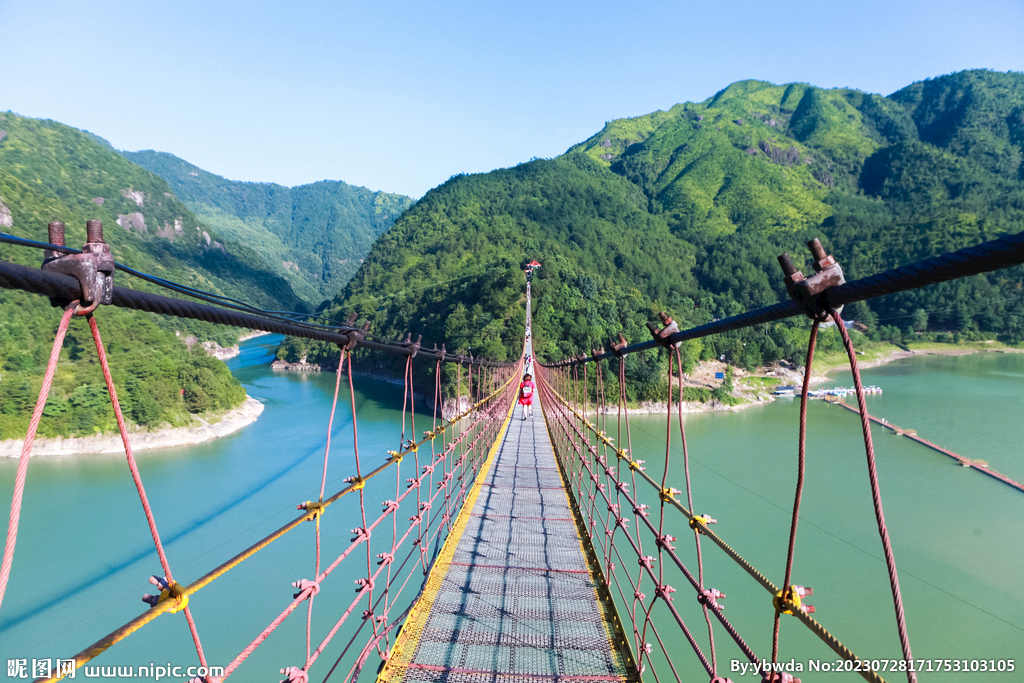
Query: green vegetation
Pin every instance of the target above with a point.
(315, 236)
(50, 171)
(686, 210)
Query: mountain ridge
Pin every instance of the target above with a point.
(50, 171)
(313, 235)
(684, 210)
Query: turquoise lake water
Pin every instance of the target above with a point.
(84, 552)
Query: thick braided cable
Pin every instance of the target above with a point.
(801, 461)
(1004, 252)
(26, 448)
(876, 497)
(67, 288)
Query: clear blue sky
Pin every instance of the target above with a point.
(400, 95)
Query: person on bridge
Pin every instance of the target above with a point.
(526, 391)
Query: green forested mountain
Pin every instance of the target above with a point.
(49, 171)
(315, 236)
(685, 210)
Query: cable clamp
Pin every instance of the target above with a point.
(313, 510)
(666, 542)
(389, 506)
(667, 495)
(709, 598)
(356, 482)
(360, 535)
(168, 591)
(355, 337)
(663, 335)
(699, 523)
(294, 674)
(778, 677)
(395, 456)
(646, 562)
(310, 588)
(364, 585)
(641, 510)
(385, 558)
(664, 591)
(93, 268)
(618, 346)
(637, 465)
(810, 291)
(793, 602)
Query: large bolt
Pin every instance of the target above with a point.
(787, 264)
(55, 231)
(817, 250)
(821, 259)
(94, 231)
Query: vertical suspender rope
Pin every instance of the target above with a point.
(689, 497)
(137, 478)
(26, 448)
(801, 460)
(876, 498)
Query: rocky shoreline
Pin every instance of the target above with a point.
(199, 432)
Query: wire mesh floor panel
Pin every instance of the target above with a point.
(517, 601)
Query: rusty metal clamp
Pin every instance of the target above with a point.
(411, 347)
(355, 336)
(594, 353)
(808, 290)
(618, 346)
(93, 268)
(663, 335)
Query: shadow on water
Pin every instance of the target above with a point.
(113, 567)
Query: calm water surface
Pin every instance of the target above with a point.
(84, 551)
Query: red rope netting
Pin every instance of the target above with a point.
(634, 550)
(434, 485)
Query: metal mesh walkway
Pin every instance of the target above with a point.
(512, 596)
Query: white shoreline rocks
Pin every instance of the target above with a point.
(199, 432)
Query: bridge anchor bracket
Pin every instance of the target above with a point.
(810, 291)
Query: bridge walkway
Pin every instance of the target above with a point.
(512, 596)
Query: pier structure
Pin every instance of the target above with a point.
(981, 465)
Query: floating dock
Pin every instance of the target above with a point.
(979, 465)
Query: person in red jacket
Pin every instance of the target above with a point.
(526, 391)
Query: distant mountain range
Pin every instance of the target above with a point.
(315, 236)
(685, 210)
(49, 171)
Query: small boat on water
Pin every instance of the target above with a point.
(826, 392)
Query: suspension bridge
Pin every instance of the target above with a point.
(511, 548)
